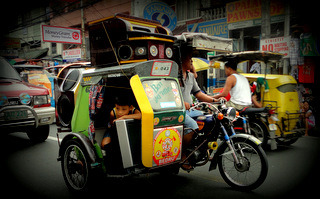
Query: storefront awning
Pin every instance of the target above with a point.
(33, 54)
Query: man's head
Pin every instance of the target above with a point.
(230, 67)
(186, 57)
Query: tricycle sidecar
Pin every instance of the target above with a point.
(282, 95)
(153, 142)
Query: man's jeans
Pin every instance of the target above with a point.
(189, 122)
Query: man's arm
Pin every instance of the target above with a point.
(230, 82)
(204, 97)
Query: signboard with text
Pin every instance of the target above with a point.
(250, 9)
(218, 28)
(278, 44)
(71, 55)
(61, 34)
(247, 13)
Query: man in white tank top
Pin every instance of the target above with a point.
(237, 85)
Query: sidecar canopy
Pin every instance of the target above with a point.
(249, 55)
(203, 41)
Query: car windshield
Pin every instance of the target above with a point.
(7, 71)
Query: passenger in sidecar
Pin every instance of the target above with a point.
(123, 110)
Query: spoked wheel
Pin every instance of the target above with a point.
(75, 166)
(260, 131)
(252, 169)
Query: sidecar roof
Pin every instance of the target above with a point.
(153, 68)
(249, 55)
(203, 41)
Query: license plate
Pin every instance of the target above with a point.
(161, 68)
(16, 115)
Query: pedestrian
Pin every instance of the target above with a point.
(308, 118)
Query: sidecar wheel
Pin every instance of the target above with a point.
(75, 166)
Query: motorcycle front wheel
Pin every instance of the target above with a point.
(252, 169)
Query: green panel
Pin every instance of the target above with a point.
(169, 118)
(80, 119)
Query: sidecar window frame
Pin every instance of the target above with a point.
(71, 80)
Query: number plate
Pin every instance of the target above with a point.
(16, 115)
(161, 68)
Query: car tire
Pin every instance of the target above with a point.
(39, 134)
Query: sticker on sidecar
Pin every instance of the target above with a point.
(166, 146)
(89, 80)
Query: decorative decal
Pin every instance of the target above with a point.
(166, 146)
(180, 119)
(156, 121)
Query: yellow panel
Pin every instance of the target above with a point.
(150, 38)
(133, 61)
(146, 120)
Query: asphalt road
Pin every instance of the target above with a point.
(32, 170)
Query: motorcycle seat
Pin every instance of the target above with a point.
(248, 110)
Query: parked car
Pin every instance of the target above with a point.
(23, 106)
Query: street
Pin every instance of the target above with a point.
(33, 170)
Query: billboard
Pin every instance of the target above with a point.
(71, 55)
(278, 44)
(61, 34)
(218, 28)
(244, 10)
(161, 12)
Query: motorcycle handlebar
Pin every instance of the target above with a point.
(193, 106)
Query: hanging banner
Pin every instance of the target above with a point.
(308, 46)
(58, 34)
(278, 44)
(306, 73)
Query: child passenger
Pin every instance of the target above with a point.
(123, 110)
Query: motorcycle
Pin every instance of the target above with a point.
(154, 143)
(241, 160)
(255, 121)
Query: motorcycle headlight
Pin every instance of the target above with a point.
(231, 113)
(41, 99)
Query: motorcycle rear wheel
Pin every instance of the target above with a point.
(252, 170)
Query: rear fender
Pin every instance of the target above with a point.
(220, 150)
(84, 141)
